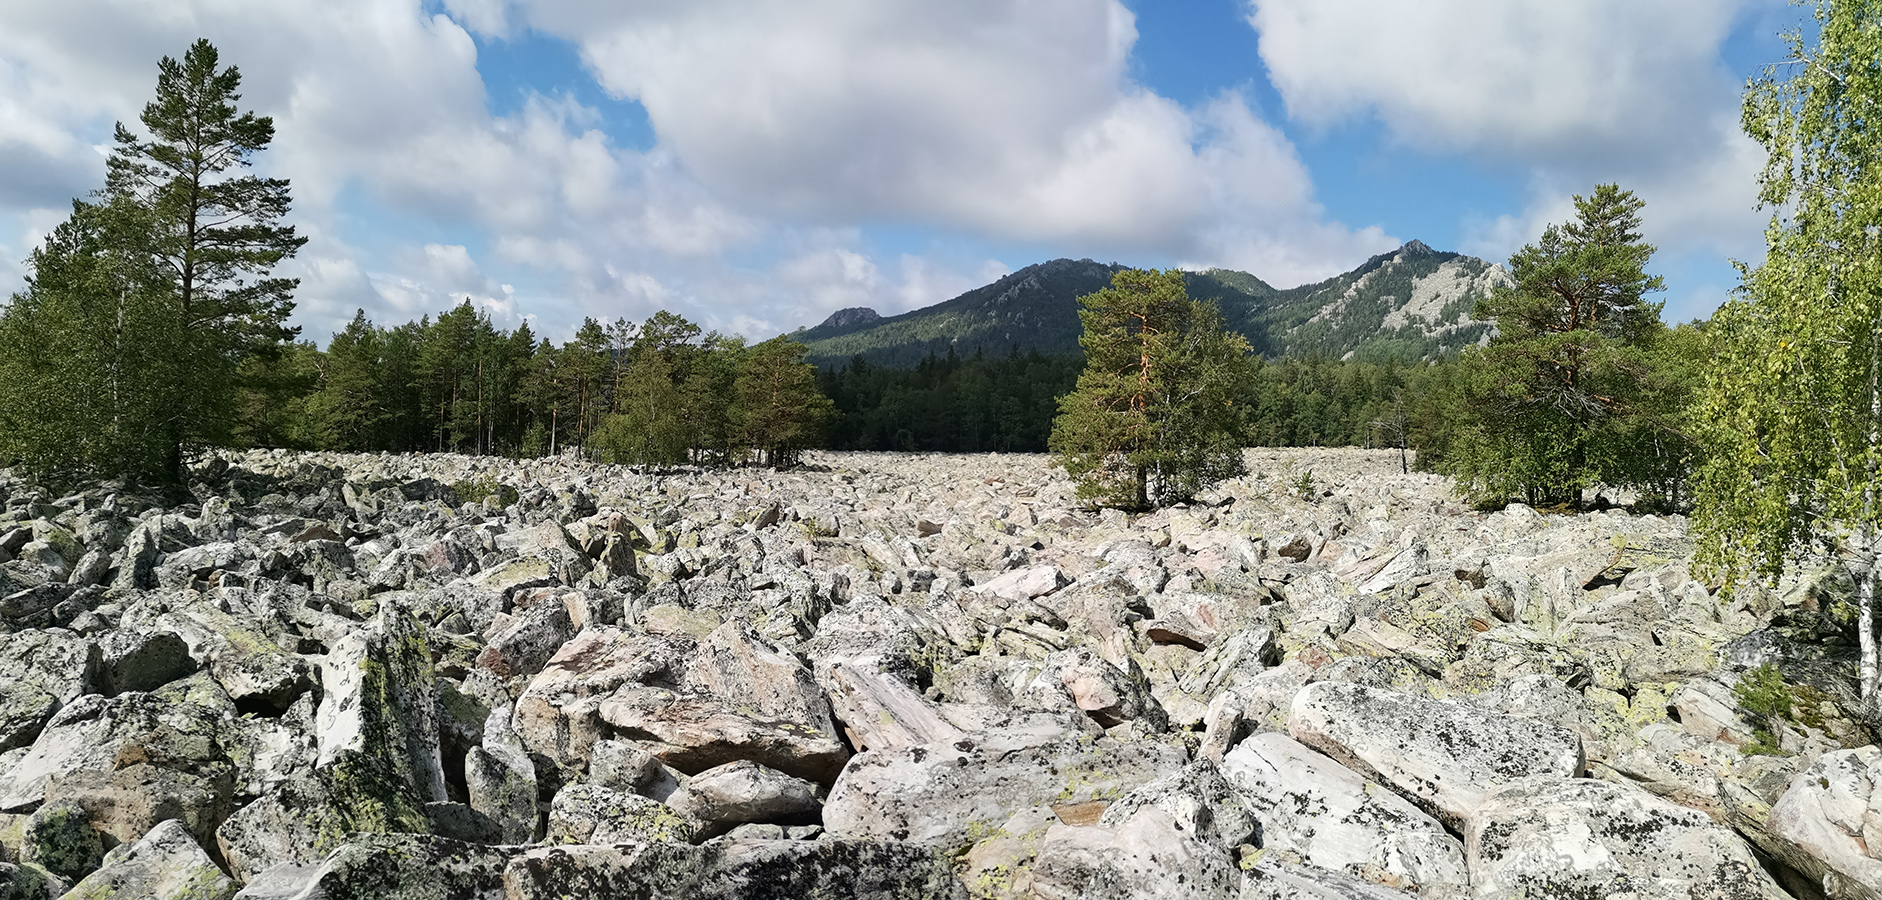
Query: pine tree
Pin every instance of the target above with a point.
(779, 410)
(1558, 400)
(218, 235)
(1157, 414)
(122, 355)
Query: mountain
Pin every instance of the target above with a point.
(1413, 303)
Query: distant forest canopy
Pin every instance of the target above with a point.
(658, 392)
(457, 382)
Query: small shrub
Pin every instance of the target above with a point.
(477, 490)
(1763, 693)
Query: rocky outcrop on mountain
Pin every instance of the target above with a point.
(896, 676)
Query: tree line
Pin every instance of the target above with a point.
(658, 392)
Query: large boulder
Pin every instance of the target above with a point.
(937, 794)
(1444, 756)
(500, 778)
(1565, 837)
(1326, 815)
(739, 792)
(1180, 835)
(377, 727)
(40, 672)
(559, 713)
(165, 864)
(401, 867)
(589, 814)
(134, 760)
(1830, 819)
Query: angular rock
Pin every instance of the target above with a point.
(1830, 821)
(1327, 816)
(165, 864)
(589, 814)
(377, 726)
(558, 715)
(408, 867)
(143, 661)
(936, 794)
(744, 791)
(880, 712)
(693, 734)
(40, 672)
(735, 870)
(59, 838)
(1176, 836)
(1559, 837)
(528, 643)
(500, 779)
(1444, 756)
(134, 760)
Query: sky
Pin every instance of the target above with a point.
(755, 166)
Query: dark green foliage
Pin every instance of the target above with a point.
(779, 411)
(949, 404)
(1157, 415)
(484, 490)
(126, 351)
(1573, 392)
(1763, 693)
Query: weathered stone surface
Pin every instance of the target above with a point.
(59, 838)
(408, 867)
(1549, 836)
(1324, 814)
(1444, 756)
(143, 661)
(528, 643)
(588, 814)
(559, 714)
(40, 672)
(134, 760)
(1830, 820)
(377, 726)
(735, 870)
(693, 734)
(744, 791)
(935, 794)
(500, 779)
(165, 864)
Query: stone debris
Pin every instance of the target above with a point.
(902, 676)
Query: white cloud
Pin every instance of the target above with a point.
(783, 134)
(1010, 120)
(1629, 91)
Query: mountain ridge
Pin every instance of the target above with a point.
(1411, 304)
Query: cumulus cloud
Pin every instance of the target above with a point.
(1007, 119)
(1632, 91)
(783, 134)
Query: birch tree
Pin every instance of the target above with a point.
(1793, 401)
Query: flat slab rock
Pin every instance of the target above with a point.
(932, 794)
(1445, 756)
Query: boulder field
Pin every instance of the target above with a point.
(903, 676)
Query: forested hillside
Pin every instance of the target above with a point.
(1409, 305)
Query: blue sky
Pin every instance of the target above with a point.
(757, 165)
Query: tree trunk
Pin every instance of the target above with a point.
(1865, 565)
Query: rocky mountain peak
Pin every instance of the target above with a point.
(851, 317)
